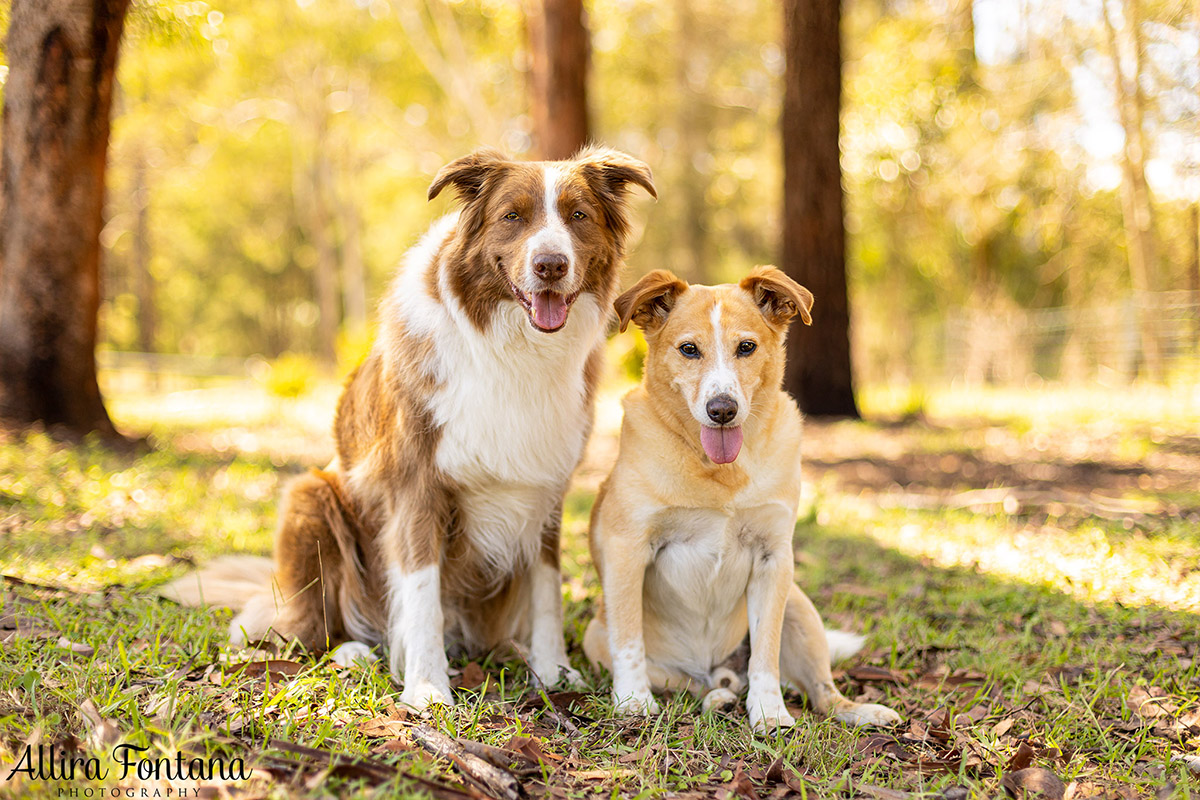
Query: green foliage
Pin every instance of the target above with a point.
(270, 139)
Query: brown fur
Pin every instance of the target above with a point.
(334, 542)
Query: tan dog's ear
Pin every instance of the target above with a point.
(650, 300)
(778, 296)
(468, 173)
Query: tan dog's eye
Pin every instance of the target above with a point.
(579, 215)
(512, 215)
(689, 350)
(746, 348)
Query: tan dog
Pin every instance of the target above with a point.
(692, 530)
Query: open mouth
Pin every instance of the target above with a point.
(722, 444)
(547, 310)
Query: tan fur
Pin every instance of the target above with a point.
(649, 523)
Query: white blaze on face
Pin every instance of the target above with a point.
(719, 376)
(553, 237)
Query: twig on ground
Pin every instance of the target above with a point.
(489, 777)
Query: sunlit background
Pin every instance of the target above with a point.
(270, 158)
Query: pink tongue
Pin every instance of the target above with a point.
(721, 444)
(549, 310)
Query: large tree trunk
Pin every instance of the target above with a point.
(558, 40)
(58, 98)
(818, 371)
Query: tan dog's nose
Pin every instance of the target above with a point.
(721, 409)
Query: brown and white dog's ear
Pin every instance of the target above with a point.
(611, 171)
(650, 300)
(778, 296)
(468, 174)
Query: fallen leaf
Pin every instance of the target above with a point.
(881, 792)
(1150, 703)
(274, 669)
(869, 673)
(740, 784)
(1192, 763)
(531, 748)
(472, 676)
(603, 774)
(1033, 782)
(383, 728)
(103, 732)
(1021, 759)
(79, 648)
(1002, 727)
(882, 743)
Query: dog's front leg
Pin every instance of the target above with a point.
(766, 599)
(416, 624)
(547, 648)
(625, 558)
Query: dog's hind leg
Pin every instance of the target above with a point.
(309, 563)
(804, 664)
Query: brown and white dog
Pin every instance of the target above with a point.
(438, 523)
(692, 530)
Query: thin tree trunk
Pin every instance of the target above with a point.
(558, 39)
(1136, 209)
(818, 374)
(692, 130)
(147, 310)
(58, 100)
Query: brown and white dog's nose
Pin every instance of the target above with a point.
(550, 266)
(722, 409)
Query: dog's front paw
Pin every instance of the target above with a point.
(641, 703)
(867, 714)
(767, 711)
(421, 694)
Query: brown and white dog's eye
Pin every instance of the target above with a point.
(746, 347)
(512, 216)
(689, 350)
(579, 215)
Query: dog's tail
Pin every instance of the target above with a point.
(843, 644)
(227, 581)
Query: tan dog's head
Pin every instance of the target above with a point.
(715, 349)
(548, 229)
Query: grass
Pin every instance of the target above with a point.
(1029, 584)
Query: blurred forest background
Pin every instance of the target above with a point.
(1022, 176)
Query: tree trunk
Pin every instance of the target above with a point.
(147, 309)
(691, 185)
(558, 40)
(58, 99)
(818, 371)
(1136, 209)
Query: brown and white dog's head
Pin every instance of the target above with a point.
(715, 350)
(540, 233)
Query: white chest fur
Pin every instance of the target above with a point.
(697, 582)
(511, 404)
